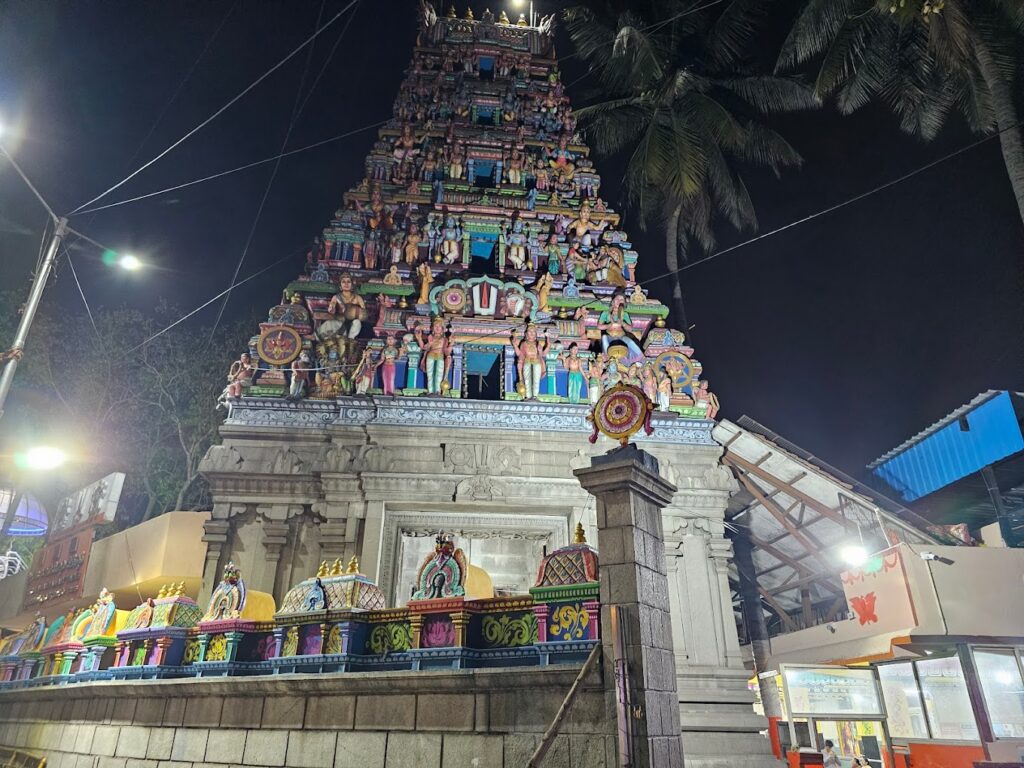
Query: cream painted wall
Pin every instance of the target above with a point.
(165, 549)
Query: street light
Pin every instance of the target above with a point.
(854, 555)
(44, 457)
(129, 262)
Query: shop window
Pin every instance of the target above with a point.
(903, 701)
(1003, 690)
(946, 700)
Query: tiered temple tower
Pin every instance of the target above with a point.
(432, 368)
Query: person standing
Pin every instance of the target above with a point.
(829, 757)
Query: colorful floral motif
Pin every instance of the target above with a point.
(510, 631)
(438, 632)
(569, 622)
(388, 638)
(191, 651)
(217, 650)
(333, 644)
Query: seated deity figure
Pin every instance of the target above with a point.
(348, 312)
(616, 326)
(240, 377)
(437, 357)
(517, 239)
(530, 362)
(451, 239)
(405, 145)
(581, 227)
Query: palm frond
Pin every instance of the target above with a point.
(769, 94)
(727, 40)
(768, 148)
(815, 28)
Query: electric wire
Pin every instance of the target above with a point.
(28, 182)
(292, 122)
(240, 168)
(220, 111)
(88, 309)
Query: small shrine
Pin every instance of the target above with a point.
(154, 634)
(236, 629)
(19, 653)
(82, 642)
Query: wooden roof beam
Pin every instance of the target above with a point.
(810, 501)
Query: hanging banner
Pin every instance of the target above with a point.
(878, 594)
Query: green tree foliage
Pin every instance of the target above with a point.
(149, 412)
(923, 59)
(681, 95)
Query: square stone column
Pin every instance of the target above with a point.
(630, 495)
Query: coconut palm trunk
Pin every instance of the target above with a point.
(673, 212)
(1007, 123)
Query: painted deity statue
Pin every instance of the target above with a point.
(562, 159)
(517, 240)
(387, 364)
(240, 376)
(703, 395)
(363, 374)
(426, 275)
(348, 312)
(437, 357)
(405, 145)
(530, 363)
(553, 251)
(413, 238)
(573, 364)
(451, 238)
(595, 376)
(543, 288)
(664, 390)
(515, 167)
(616, 326)
(581, 227)
(301, 368)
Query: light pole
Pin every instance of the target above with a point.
(29, 313)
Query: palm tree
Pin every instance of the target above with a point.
(924, 59)
(680, 95)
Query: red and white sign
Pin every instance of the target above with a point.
(879, 595)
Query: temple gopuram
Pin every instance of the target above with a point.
(433, 365)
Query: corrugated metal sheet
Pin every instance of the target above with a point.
(948, 453)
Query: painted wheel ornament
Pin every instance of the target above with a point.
(279, 344)
(621, 412)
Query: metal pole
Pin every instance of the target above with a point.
(7, 377)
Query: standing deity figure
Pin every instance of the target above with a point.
(664, 391)
(573, 364)
(616, 326)
(554, 255)
(347, 309)
(239, 378)
(530, 361)
(413, 238)
(517, 239)
(456, 162)
(515, 167)
(437, 356)
(362, 377)
(451, 239)
(595, 376)
(387, 364)
(301, 368)
(426, 279)
(542, 288)
(649, 382)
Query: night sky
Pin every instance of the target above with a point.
(846, 334)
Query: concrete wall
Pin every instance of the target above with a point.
(469, 719)
(971, 592)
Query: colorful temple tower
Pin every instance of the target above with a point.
(432, 368)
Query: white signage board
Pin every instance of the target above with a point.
(97, 502)
(832, 692)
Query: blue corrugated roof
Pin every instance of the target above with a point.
(946, 452)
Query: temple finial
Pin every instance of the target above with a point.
(162, 592)
(336, 567)
(322, 570)
(580, 537)
(353, 565)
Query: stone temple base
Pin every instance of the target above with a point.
(297, 483)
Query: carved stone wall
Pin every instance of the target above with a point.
(356, 471)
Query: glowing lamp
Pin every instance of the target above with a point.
(854, 555)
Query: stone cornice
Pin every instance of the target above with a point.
(255, 414)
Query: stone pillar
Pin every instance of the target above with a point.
(630, 496)
(215, 534)
(275, 536)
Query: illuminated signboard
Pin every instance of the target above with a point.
(834, 692)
